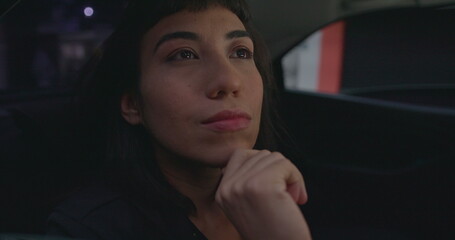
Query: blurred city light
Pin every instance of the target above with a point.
(88, 11)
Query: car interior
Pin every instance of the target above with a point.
(376, 148)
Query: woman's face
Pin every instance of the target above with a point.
(201, 91)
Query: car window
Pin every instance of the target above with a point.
(377, 53)
(43, 44)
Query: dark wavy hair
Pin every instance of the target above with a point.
(125, 151)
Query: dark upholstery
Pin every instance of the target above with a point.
(38, 164)
(374, 168)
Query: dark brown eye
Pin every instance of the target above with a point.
(242, 53)
(186, 55)
(182, 55)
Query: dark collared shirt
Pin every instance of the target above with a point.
(100, 213)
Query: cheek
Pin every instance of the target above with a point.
(167, 120)
(256, 91)
(164, 108)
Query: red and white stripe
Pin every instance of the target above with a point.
(316, 64)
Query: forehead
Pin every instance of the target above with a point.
(205, 22)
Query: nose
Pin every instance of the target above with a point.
(224, 80)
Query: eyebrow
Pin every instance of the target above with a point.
(194, 37)
(176, 35)
(238, 34)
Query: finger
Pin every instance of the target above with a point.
(236, 160)
(298, 192)
(279, 175)
(257, 167)
(270, 176)
(295, 184)
(294, 191)
(249, 163)
(303, 199)
(233, 181)
(247, 172)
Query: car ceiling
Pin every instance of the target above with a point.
(284, 25)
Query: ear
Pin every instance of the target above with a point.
(130, 109)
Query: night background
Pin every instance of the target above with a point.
(44, 43)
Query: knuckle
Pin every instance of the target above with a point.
(218, 197)
(265, 151)
(221, 199)
(229, 193)
(278, 164)
(222, 193)
(254, 187)
(237, 190)
(278, 155)
(284, 162)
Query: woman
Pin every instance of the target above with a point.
(182, 89)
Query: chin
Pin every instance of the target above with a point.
(219, 158)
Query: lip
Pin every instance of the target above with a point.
(228, 121)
